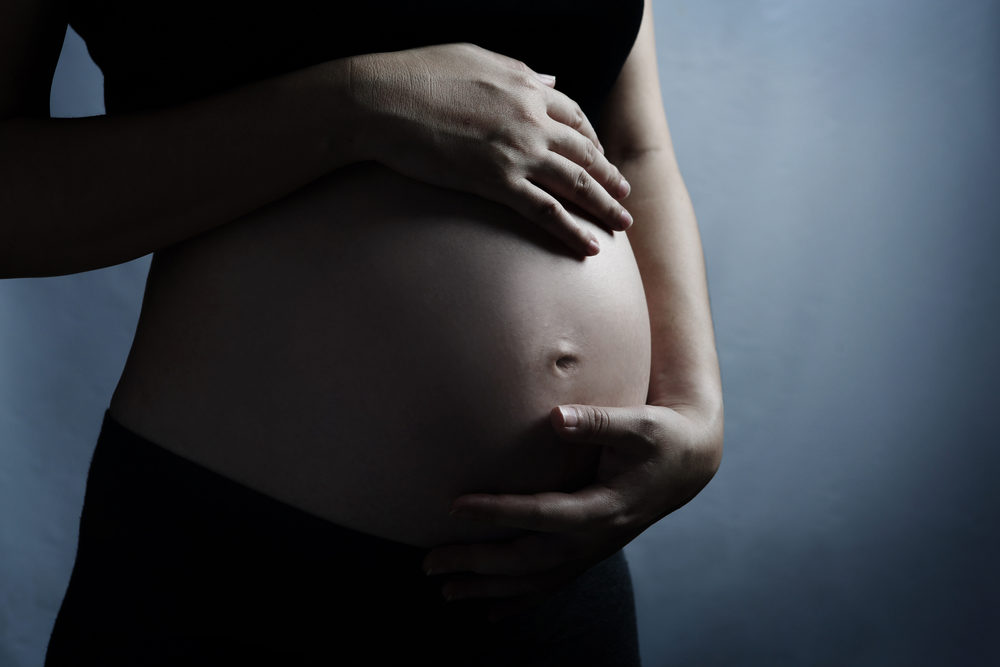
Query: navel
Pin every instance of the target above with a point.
(567, 362)
(564, 357)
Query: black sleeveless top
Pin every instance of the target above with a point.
(155, 54)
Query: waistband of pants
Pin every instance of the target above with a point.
(135, 479)
(174, 555)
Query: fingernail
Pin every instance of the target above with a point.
(626, 219)
(624, 188)
(547, 79)
(570, 416)
(593, 247)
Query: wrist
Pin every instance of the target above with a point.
(368, 107)
(335, 103)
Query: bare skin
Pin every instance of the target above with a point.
(407, 345)
(654, 457)
(255, 331)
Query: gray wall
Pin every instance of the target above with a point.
(842, 157)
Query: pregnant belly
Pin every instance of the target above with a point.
(371, 347)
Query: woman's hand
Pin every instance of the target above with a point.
(463, 117)
(654, 460)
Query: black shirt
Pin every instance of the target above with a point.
(155, 54)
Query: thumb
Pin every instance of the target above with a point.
(603, 425)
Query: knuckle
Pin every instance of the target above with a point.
(508, 162)
(647, 427)
(536, 155)
(616, 176)
(550, 210)
(581, 184)
(461, 49)
(600, 420)
(510, 180)
(526, 80)
(590, 154)
(472, 47)
(539, 150)
(498, 155)
(495, 137)
(502, 171)
(502, 147)
(579, 118)
(518, 144)
(526, 113)
(520, 65)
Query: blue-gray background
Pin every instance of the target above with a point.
(842, 157)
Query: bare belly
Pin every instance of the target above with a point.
(371, 347)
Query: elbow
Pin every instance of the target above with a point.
(707, 456)
(716, 437)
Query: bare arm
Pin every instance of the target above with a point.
(78, 194)
(665, 238)
(82, 193)
(655, 457)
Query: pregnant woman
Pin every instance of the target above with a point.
(402, 386)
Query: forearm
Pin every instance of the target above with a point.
(82, 193)
(667, 247)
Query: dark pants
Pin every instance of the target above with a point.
(178, 565)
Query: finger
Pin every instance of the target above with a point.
(563, 109)
(564, 177)
(541, 207)
(524, 555)
(582, 151)
(638, 427)
(551, 511)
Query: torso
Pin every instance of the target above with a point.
(371, 347)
